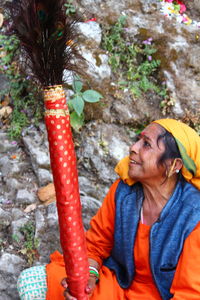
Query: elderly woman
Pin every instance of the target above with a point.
(144, 241)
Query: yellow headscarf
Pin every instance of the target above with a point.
(188, 142)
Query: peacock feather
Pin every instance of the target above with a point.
(47, 38)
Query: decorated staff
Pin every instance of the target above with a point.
(47, 49)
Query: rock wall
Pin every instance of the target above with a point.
(105, 139)
(178, 49)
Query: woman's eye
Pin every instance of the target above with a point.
(146, 144)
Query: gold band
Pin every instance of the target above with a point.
(53, 93)
(57, 112)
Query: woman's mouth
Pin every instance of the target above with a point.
(132, 161)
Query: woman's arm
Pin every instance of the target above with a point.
(186, 283)
(100, 236)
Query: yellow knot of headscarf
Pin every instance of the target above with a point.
(188, 142)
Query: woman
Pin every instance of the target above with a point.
(144, 241)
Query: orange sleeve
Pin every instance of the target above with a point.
(186, 283)
(99, 237)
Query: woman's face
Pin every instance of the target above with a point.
(144, 155)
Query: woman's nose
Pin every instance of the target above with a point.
(134, 147)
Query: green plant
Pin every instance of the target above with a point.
(16, 238)
(77, 102)
(30, 245)
(70, 9)
(133, 61)
(25, 99)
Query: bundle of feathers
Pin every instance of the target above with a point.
(47, 38)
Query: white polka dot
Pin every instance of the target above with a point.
(74, 244)
(69, 219)
(69, 157)
(64, 131)
(63, 121)
(52, 121)
(61, 148)
(58, 126)
(57, 105)
(65, 165)
(74, 223)
(55, 143)
(77, 274)
(68, 181)
(80, 258)
(66, 152)
(60, 159)
(60, 137)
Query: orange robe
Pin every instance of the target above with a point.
(186, 283)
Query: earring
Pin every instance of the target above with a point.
(177, 171)
(171, 169)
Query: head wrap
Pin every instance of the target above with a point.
(188, 142)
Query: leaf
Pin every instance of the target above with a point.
(91, 96)
(78, 104)
(77, 85)
(69, 104)
(122, 20)
(76, 121)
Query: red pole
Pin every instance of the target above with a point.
(63, 164)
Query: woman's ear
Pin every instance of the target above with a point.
(175, 167)
(178, 165)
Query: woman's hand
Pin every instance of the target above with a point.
(88, 290)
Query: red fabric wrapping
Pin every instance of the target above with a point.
(63, 164)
